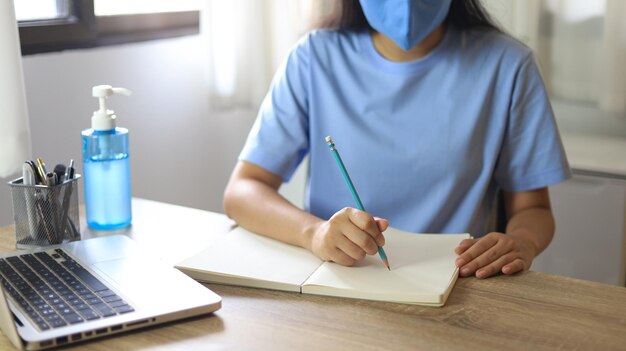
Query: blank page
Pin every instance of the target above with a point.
(422, 271)
(244, 258)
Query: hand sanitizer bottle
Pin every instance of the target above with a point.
(106, 167)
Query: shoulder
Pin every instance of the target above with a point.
(323, 50)
(495, 46)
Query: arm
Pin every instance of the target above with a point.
(529, 230)
(251, 198)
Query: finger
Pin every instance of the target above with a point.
(368, 225)
(488, 263)
(346, 245)
(361, 240)
(383, 224)
(464, 245)
(341, 258)
(348, 237)
(496, 266)
(499, 246)
(516, 266)
(477, 248)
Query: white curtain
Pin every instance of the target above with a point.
(580, 46)
(613, 76)
(246, 42)
(14, 130)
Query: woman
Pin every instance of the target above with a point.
(433, 109)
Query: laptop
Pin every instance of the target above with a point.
(83, 290)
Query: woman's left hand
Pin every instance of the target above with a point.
(494, 253)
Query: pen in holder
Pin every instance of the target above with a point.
(45, 215)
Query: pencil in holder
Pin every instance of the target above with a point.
(45, 215)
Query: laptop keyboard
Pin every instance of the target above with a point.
(54, 290)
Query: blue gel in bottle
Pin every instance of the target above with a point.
(106, 170)
(106, 167)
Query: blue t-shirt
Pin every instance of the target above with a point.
(427, 143)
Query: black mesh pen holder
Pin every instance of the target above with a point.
(45, 215)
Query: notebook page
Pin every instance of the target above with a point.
(422, 271)
(244, 258)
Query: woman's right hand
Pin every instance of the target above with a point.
(348, 236)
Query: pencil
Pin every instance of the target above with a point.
(355, 195)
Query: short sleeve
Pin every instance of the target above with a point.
(532, 154)
(278, 140)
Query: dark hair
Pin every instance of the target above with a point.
(463, 14)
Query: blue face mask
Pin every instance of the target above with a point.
(406, 22)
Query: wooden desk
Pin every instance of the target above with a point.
(531, 311)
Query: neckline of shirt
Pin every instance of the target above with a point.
(382, 63)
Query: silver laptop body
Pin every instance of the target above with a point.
(145, 291)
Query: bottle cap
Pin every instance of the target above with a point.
(104, 119)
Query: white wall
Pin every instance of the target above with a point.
(180, 151)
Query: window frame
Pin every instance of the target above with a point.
(83, 29)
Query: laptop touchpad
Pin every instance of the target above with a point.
(139, 279)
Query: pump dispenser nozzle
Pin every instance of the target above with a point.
(104, 119)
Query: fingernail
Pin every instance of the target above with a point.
(459, 262)
(465, 271)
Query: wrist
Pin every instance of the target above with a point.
(309, 229)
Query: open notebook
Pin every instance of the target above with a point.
(422, 267)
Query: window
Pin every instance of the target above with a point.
(55, 25)
(40, 10)
(125, 7)
(580, 48)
